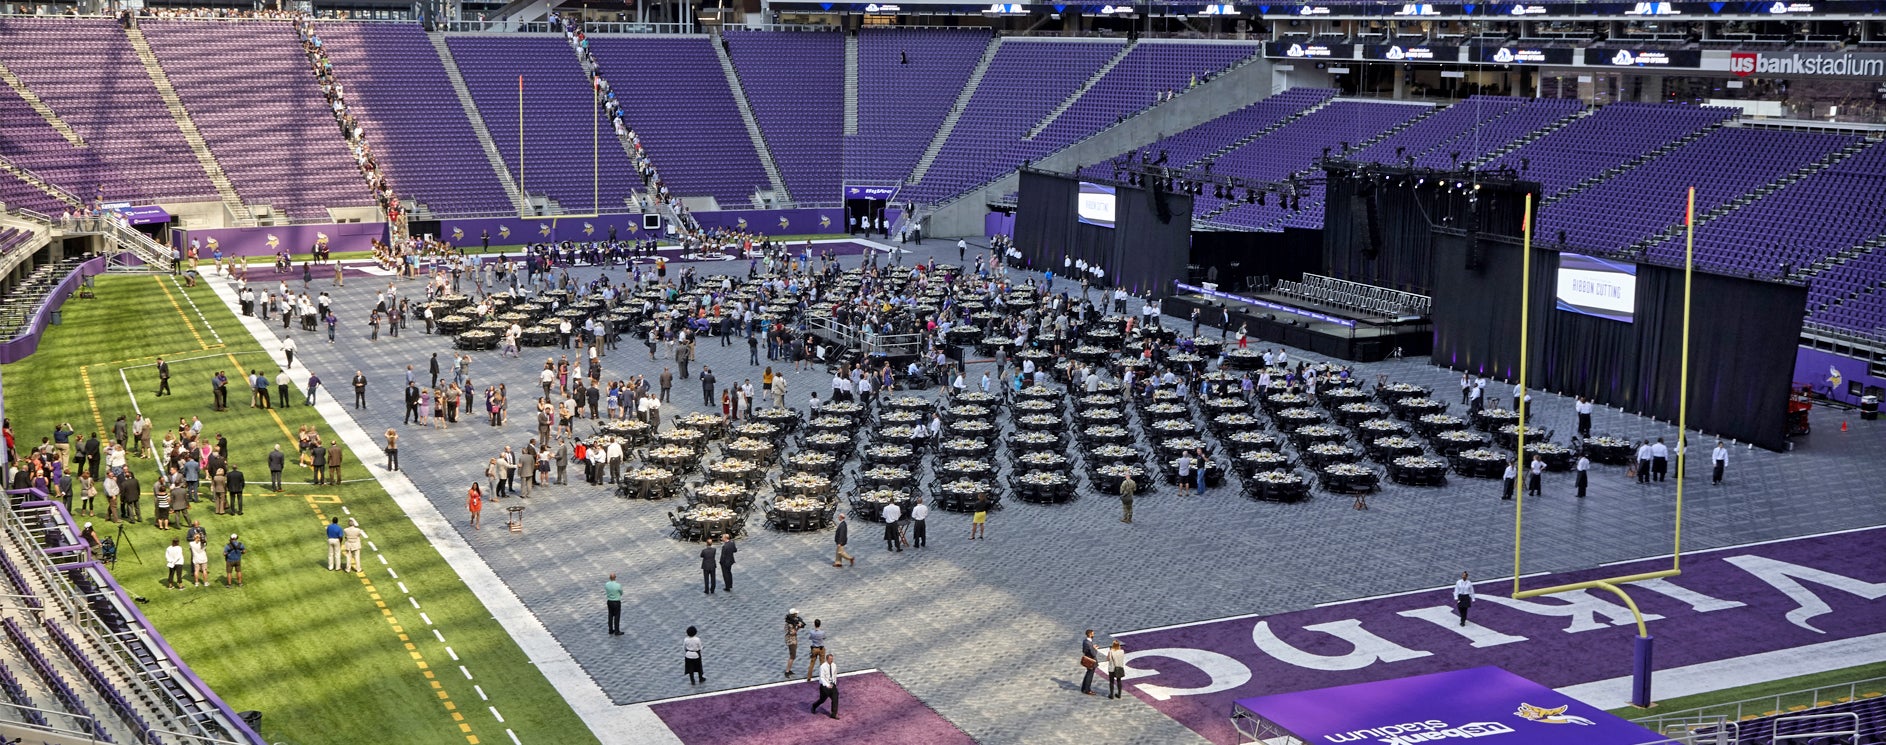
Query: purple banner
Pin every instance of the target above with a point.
(144, 214)
(513, 231)
(1821, 368)
(26, 341)
(300, 239)
(1795, 601)
(885, 193)
(1473, 703)
(776, 222)
(998, 223)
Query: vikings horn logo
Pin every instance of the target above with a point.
(825, 221)
(458, 234)
(543, 229)
(212, 244)
(1532, 713)
(784, 223)
(588, 229)
(634, 227)
(504, 231)
(320, 238)
(742, 223)
(274, 242)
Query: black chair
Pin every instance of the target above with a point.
(677, 531)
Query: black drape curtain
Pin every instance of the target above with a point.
(1141, 253)
(1240, 255)
(1743, 335)
(1407, 206)
(1045, 216)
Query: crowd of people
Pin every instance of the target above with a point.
(351, 129)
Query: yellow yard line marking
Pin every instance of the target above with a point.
(187, 323)
(85, 376)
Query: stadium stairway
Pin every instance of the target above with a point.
(1249, 138)
(477, 122)
(752, 124)
(1652, 154)
(218, 178)
(38, 183)
(1233, 88)
(1092, 80)
(45, 112)
(1638, 249)
(935, 147)
(1530, 137)
(851, 85)
(1311, 170)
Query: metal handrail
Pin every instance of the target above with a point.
(1705, 730)
(1836, 715)
(1755, 707)
(64, 734)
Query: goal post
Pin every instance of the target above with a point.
(1642, 656)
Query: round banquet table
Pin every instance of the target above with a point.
(1427, 472)
(1288, 488)
(1479, 468)
(648, 483)
(1619, 453)
(1455, 441)
(1254, 462)
(1043, 487)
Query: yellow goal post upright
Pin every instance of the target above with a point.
(1641, 664)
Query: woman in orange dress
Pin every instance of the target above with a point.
(474, 501)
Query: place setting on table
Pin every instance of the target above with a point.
(676, 457)
(1282, 484)
(720, 493)
(1044, 487)
(795, 514)
(886, 477)
(889, 453)
(647, 482)
(804, 484)
(1416, 407)
(978, 429)
(1479, 463)
(702, 521)
(813, 461)
(737, 471)
(1610, 451)
(1417, 470)
(1454, 441)
(631, 432)
(691, 439)
(1507, 436)
(708, 425)
(751, 449)
(961, 495)
(1170, 428)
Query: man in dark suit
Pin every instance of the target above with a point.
(276, 459)
(727, 550)
(841, 537)
(1090, 659)
(435, 369)
(707, 567)
(236, 483)
(412, 404)
(163, 377)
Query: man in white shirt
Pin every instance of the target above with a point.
(1584, 469)
(892, 513)
(918, 537)
(1643, 461)
(1719, 458)
(1463, 597)
(1583, 407)
(1659, 460)
(1510, 479)
(828, 686)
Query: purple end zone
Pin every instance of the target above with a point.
(874, 710)
(1727, 603)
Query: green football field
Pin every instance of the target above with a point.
(401, 652)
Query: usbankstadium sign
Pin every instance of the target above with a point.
(1744, 64)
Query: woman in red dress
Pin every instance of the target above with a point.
(474, 501)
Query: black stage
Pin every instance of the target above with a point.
(1331, 332)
